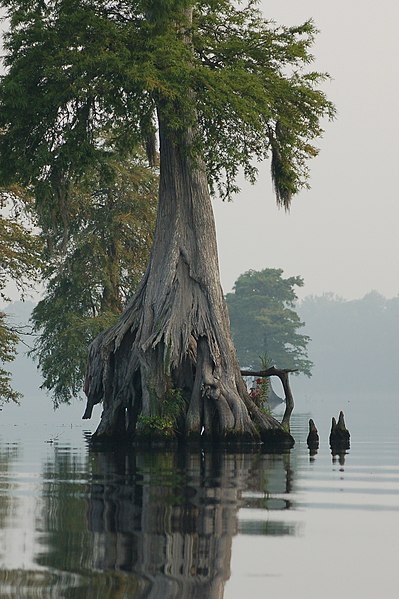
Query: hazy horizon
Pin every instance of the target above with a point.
(340, 236)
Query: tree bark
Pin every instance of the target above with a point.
(175, 333)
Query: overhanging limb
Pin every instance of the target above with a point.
(283, 375)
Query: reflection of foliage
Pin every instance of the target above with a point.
(256, 527)
(64, 511)
(28, 583)
(8, 454)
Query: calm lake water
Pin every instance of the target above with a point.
(78, 522)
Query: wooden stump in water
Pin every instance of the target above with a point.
(339, 435)
(313, 436)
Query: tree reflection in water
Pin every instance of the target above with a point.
(8, 454)
(158, 523)
(169, 517)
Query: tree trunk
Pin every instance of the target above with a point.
(175, 333)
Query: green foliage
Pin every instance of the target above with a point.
(256, 98)
(20, 257)
(90, 279)
(155, 426)
(8, 347)
(264, 322)
(78, 69)
(19, 263)
(173, 403)
(64, 336)
(261, 391)
(164, 424)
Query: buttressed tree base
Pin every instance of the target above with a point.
(175, 335)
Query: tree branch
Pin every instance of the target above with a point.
(272, 371)
(282, 374)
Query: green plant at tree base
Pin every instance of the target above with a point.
(260, 393)
(164, 424)
(265, 363)
(155, 426)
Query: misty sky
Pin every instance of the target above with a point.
(341, 236)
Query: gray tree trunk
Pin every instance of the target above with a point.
(175, 333)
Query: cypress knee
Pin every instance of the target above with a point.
(313, 436)
(339, 435)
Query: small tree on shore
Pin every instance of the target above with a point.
(223, 88)
(264, 320)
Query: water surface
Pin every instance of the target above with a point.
(80, 522)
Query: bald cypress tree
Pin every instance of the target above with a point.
(220, 88)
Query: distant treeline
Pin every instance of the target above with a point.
(354, 344)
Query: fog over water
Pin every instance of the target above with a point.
(341, 236)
